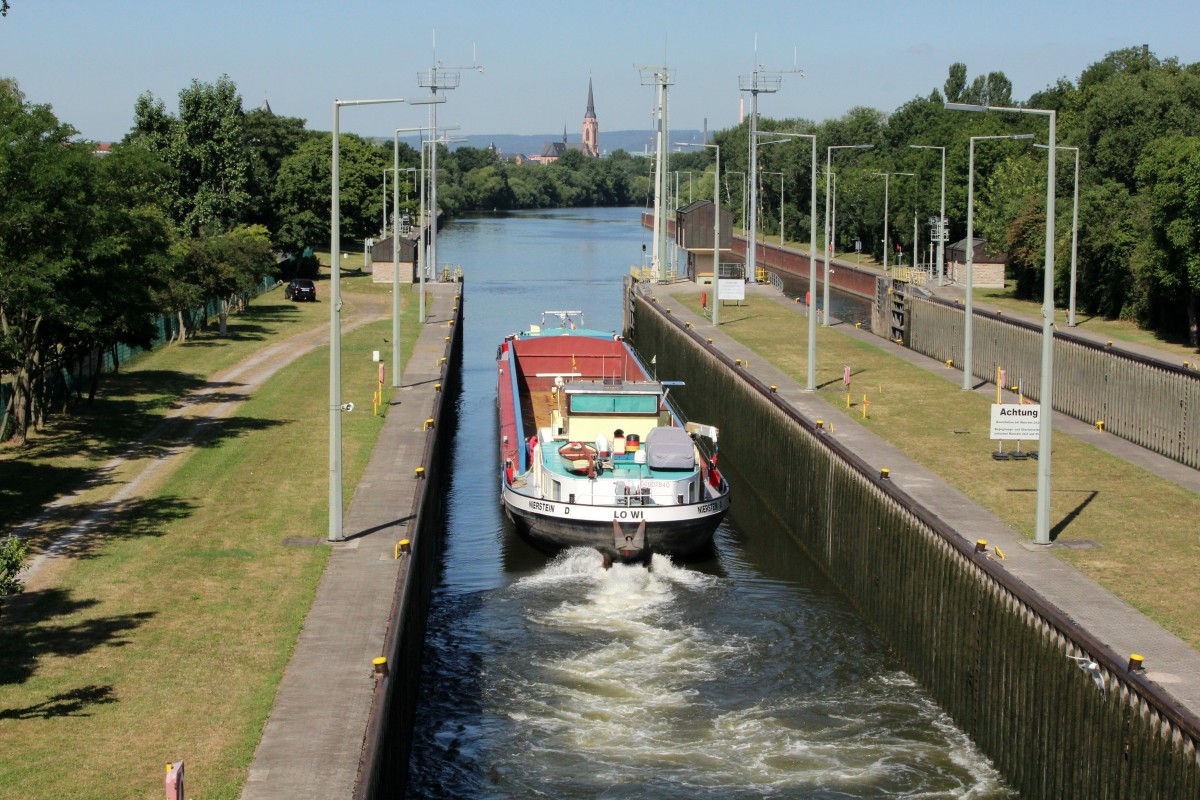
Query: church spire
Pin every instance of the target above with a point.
(591, 107)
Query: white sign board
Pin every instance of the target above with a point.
(731, 289)
(1012, 421)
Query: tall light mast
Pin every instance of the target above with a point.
(766, 81)
(443, 78)
(660, 77)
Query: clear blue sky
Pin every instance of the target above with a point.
(90, 60)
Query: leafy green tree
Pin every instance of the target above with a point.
(270, 139)
(76, 236)
(230, 265)
(12, 563)
(206, 148)
(305, 183)
(1168, 263)
(46, 195)
(956, 82)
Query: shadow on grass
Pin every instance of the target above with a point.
(26, 487)
(74, 703)
(52, 623)
(90, 527)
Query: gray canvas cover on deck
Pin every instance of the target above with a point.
(670, 448)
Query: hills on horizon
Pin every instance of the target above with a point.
(632, 141)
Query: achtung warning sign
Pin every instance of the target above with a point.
(1014, 421)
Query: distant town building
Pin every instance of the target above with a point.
(590, 144)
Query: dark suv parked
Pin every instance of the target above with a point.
(301, 289)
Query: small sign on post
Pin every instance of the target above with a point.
(1014, 421)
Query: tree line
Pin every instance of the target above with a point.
(1135, 120)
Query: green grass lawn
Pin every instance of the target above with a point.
(169, 639)
(1150, 554)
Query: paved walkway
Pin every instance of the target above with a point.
(1170, 662)
(312, 741)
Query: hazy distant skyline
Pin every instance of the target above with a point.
(90, 61)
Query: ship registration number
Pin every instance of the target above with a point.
(538, 506)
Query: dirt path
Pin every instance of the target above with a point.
(142, 468)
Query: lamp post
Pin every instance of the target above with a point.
(716, 225)
(886, 176)
(1046, 390)
(828, 170)
(335, 323)
(1074, 233)
(941, 226)
(968, 309)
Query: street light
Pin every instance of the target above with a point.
(1045, 429)
(941, 226)
(828, 170)
(886, 176)
(335, 323)
(969, 311)
(1074, 232)
(716, 225)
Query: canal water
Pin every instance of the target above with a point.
(743, 675)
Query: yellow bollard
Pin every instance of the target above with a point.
(981, 545)
(380, 667)
(428, 424)
(885, 474)
(774, 388)
(437, 387)
(847, 399)
(865, 403)
(403, 547)
(1100, 425)
(419, 472)
(1136, 663)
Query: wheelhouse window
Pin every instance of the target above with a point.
(614, 403)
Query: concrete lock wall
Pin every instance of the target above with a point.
(996, 657)
(1150, 403)
(383, 765)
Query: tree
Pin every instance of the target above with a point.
(207, 151)
(269, 140)
(305, 182)
(229, 266)
(46, 195)
(12, 562)
(956, 82)
(79, 240)
(1169, 262)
